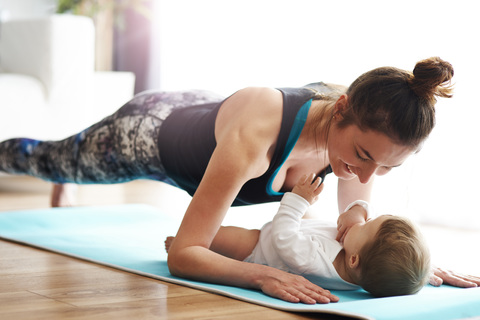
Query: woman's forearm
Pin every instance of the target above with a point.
(351, 190)
(201, 264)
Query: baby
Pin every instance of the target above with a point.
(386, 256)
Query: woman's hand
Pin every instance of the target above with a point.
(440, 276)
(346, 220)
(294, 288)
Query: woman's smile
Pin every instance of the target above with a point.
(349, 169)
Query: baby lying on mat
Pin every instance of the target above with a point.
(386, 256)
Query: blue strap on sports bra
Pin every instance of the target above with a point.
(297, 128)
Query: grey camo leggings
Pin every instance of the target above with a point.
(120, 148)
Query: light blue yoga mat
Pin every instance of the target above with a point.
(131, 238)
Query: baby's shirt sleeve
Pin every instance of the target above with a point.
(297, 250)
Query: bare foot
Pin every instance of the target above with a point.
(168, 243)
(63, 195)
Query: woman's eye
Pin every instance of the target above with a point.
(360, 157)
(384, 170)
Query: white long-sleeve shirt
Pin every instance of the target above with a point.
(301, 246)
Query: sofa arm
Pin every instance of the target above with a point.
(59, 50)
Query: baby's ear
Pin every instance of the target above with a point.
(354, 261)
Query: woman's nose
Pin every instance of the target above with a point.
(365, 173)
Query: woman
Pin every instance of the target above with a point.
(249, 148)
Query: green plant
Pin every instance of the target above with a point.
(92, 8)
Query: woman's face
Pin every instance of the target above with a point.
(356, 153)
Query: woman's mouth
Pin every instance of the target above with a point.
(350, 170)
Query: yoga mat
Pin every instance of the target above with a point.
(131, 238)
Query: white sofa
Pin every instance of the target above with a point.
(48, 86)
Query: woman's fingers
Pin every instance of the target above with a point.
(324, 296)
(454, 279)
(307, 296)
(435, 281)
(473, 279)
(297, 289)
(311, 294)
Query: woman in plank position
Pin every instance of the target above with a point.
(250, 148)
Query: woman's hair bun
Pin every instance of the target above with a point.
(432, 77)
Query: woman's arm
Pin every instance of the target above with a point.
(246, 130)
(349, 191)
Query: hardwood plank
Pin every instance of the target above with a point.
(37, 284)
(14, 302)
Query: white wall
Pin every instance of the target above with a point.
(22, 8)
(225, 45)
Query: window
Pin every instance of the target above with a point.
(226, 45)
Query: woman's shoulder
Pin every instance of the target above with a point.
(252, 104)
(252, 115)
(264, 96)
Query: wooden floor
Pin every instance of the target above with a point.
(36, 284)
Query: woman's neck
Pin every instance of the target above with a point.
(315, 131)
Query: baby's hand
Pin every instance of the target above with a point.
(309, 187)
(168, 243)
(346, 220)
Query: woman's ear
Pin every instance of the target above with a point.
(340, 107)
(354, 261)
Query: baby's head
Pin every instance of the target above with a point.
(391, 259)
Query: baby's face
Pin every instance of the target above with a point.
(361, 233)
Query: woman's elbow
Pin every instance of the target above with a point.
(174, 264)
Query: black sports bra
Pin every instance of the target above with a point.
(187, 141)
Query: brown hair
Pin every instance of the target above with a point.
(396, 262)
(399, 103)
(322, 117)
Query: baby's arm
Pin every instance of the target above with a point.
(232, 242)
(235, 242)
(296, 249)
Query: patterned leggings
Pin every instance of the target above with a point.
(120, 148)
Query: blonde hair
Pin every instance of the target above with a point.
(396, 262)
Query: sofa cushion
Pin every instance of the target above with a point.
(56, 49)
(16, 87)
